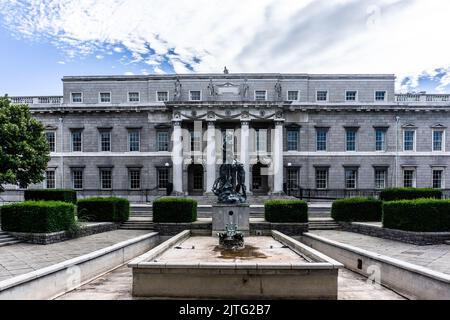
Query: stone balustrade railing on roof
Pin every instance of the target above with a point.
(422, 97)
(57, 100)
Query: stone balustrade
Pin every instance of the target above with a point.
(37, 100)
(422, 97)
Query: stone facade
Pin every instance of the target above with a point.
(274, 132)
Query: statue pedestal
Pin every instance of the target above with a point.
(224, 213)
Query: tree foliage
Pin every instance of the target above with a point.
(24, 151)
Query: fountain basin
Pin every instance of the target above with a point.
(269, 267)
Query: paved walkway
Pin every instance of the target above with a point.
(435, 257)
(116, 285)
(24, 257)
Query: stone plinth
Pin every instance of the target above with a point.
(223, 214)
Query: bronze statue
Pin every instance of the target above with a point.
(230, 186)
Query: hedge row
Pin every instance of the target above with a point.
(174, 210)
(65, 195)
(104, 209)
(421, 215)
(393, 194)
(38, 216)
(286, 211)
(357, 209)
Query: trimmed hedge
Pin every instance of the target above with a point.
(65, 195)
(357, 209)
(393, 194)
(38, 216)
(286, 211)
(174, 210)
(420, 215)
(104, 209)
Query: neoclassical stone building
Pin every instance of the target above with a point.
(135, 135)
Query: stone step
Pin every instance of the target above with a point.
(7, 238)
(8, 243)
(4, 235)
(136, 228)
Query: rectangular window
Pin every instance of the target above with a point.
(195, 95)
(380, 178)
(321, 139)
(196, 140)
(350, 136)
(50, 179)
(261, 140)
(292, 95)
(76, 141)
(260, 95)
(351, 176)
(105, 141)
(77, 178)
(292, 140)
(50, 135)
(380, 140)
(163, 141)
(162, 96)
(134, 140)
(106, 178)
(77, 97)
(133, 96)
(438, 138)
(408, 144)
(135, 178)
(437, 178)
(292, 178)
(322, 96)
(321, 178)
(380, 95)
(105, 97)
(163, 178)
(350, 95)
(409, 179)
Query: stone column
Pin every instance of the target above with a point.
(177, 158)
(245, 155)
(277, 158)
(210, 156)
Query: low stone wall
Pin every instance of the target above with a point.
(417, 238)
(291, 229)
(48, 238)
(196, 228)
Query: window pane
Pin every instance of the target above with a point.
(260, 95)
(322, 95)
(321, 178)
(135, 179)
(76, 97)
(133, 140)
(380, 95)
(437, 140)
(351, 140)
(162, 96)
(163, 141)
(106, 178)
(380, 140)
(133, 96)
(50, 180)
(408, 178)
(321, 139)
(105, 97)
(163, 177)
(437, 179)
(292, 95)
(77, 179)
(51, 140)
(350, 178)
(76, 141)
(292, 140)
(380, 178)
(292, 178)
(409, 140)
(350, 96)
(105, 141)
(195, 95)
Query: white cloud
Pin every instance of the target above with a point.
(129, 73)
(61, 62)
(99, 57)
(404, 37)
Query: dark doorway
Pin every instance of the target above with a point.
(195, 179)
(259, 178)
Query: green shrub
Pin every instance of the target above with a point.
(174, 210)
(100, 209)
(65, 195)
(286, 211)
(38, 216)
(422, 215)
(393, 194)
(357, 209)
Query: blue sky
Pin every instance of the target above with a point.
(44, 40)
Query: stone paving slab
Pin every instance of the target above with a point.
(116, 285)
(435, 257)
(22, 258)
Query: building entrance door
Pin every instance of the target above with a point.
(195, 179)
(259, 179)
